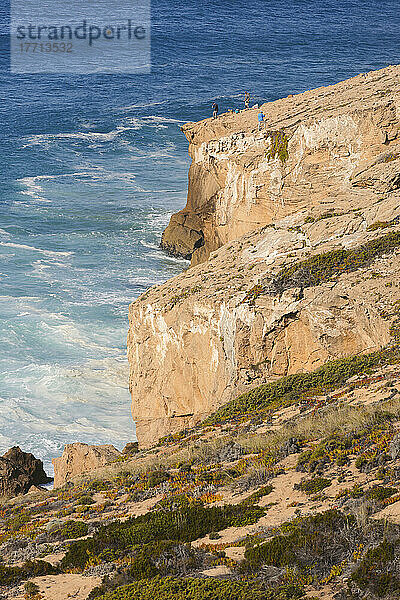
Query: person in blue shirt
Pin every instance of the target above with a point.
(261, 118)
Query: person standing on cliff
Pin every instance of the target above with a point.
(261, 118)
(215, 110)
(246, 99)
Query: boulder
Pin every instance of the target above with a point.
(78, 459)
(19, 471)
(183, 235)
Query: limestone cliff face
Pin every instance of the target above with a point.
(333, 133)
(214, 331)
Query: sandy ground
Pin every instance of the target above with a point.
(217, 571)
(62, 587)
(391, 513)
(286, 502)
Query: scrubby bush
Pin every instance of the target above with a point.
(380, 493)
(31, 568)
(85, 500)
(313, 486)
(314, 543)
(155, 478)
(31, 591)
(160, 558)
(71, 530)
(256, 496)
(378, 572)
(325, 453)
(184, 524)
(327, 266)
(201, 589)
(15, 523)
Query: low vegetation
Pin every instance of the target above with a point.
(292, 388)
(278, 148)
(31, 568)
(201, 589)
(176, 520)
(330, 265)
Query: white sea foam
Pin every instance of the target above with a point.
(34, 249)
(158, 119)
(85, 136)
(33, 189)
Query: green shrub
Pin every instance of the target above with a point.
(185, 524)
(31, 590)
(15, 523)
(169, 588)
(380, 493)
(155, 478)
(99, 485)
(376, 572)
(31, 568)
(324, 453)
(288, 390)
(256, 496)
(159, 558)
(313, 486)
(328, 266)
(278, 146)
(85, 500)
(71, 530)
(317, 542)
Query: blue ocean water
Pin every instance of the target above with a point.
(91, 168)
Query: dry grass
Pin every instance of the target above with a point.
(335, 420)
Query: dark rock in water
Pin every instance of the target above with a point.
(131, 448)
(19, 471)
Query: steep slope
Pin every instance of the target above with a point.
(298, 499)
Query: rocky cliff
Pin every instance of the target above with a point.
(307, 214)
(325, 137)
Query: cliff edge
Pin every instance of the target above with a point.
(307, 214)
(241, 179)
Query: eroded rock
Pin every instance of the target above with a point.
(340, 138)
(19, 471)
(77, 459)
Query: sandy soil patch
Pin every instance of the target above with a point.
(62, 587)
(391, 513)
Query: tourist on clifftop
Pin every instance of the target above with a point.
(246, 99)
(215, 110)
(261, 118)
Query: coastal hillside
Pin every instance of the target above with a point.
(318, 281)
(290, 492)
(265, 386)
